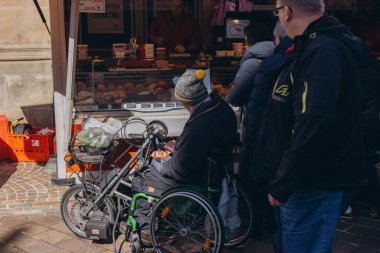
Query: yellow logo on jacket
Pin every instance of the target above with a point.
(282, 90)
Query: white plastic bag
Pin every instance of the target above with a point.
(228, 209)
(111, 126)
(94, 137)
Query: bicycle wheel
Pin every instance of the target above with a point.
(246, 214)
(185, 221)
(73, 202)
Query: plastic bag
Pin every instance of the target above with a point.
(111, 126)
(94, 137)
(228, 209)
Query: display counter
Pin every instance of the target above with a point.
(124, 88)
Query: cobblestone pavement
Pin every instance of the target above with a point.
(25, 189)
(30, 220)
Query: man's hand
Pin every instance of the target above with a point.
(160, 40)
(170, 145)
(273, 201)
(180, 49)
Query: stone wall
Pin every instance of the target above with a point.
(26, 83)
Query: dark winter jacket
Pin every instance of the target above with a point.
(245, 78)
(264, 80)
(211, 126)
(311, 133)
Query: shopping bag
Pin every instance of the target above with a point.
(228, 208)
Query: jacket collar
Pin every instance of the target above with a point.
(215, 99)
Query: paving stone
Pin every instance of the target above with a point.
(6, 248)
(46, 220)
(14, 221)
(79, 246)
(61, 227)
(40, 247)
(33, 229)
(5, 232)
(368, 222)
(344, 247)
(20, 239)
(52, 236)
(369, 232)
(344, 225)
(61, 251)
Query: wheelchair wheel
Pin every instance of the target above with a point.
(185, 221)
(246, 214)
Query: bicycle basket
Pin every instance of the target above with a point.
(91, 146)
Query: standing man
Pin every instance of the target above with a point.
(311, 133)
(175, 30)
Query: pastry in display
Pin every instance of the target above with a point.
(163, 84)
(120, 87)
(83, 97)
(111, 87)
(152, 86)
(86, 101)
(81, 86)
(139, 88)
(162, 94)
(101, 88)
(129, 87)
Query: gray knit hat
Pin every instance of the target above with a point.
(190, 88)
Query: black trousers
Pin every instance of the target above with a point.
(152, 183)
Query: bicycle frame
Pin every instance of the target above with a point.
(118, 179)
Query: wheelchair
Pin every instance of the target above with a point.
(182, 219)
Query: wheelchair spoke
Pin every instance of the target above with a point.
(173, 215)
(197, 242)
(170, 224)
(185, 223)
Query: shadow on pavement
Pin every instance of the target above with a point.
(6, 171)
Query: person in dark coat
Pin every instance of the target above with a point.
(261, 45)
(256, 179)
(311, 138)
(212, 126)
(175, 30)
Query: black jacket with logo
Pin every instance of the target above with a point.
(311, 133)
(211, 126)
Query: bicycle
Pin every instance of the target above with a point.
(94, 208)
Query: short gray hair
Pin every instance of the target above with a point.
(279, 30)
(312, 6)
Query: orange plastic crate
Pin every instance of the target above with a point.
(31, 147)
(4, 148)
(29, 154)
(31, 140)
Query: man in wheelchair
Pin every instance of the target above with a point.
(211, 126)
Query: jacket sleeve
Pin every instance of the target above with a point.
(243, 82)
(315, 94)
(190, 151)
(264, 79)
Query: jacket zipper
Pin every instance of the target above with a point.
(304, 96)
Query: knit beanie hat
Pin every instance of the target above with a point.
(190, 88)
